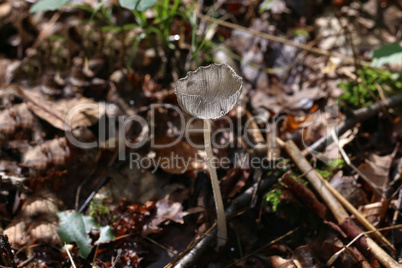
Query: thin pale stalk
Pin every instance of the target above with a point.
(220, 210)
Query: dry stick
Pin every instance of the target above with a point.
(190, 256)
(69, 255)
(220, 209)
(336, 208)
(263, 247)
(357, 116)
(336, 255)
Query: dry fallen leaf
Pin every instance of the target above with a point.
(36, 158)
(8, 67)
(45, 232)
(372, 212)
(64, 114)
(377, 168)
(165, 211)
(53, 152)
(7, 122)
(25, 117)
(177, 158)
(233, 182)
(16, 232)
(348, 188)
(279, 262)
(58, 151)
(41, 204)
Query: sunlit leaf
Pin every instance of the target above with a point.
(48, 5)
(387, 54)
(140, 5)
(74, 227)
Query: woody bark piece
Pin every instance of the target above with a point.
(346, 204)
(336, 208)
(304, 195)
(352, 230)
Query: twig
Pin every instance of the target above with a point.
(350, 164)
(367, 246)
(89, 199)
(69, 255)
(168, 250)
(46, 31)
(357, 116)
(24, 263)
(265, 246)
(94, 258)
(191, 252)
(336, 255)
(114, 262)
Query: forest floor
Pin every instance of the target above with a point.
(101, 167)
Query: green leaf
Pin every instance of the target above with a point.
(72, 229)
(48, 5)
(106, 234)
(387, 54)
(140, 5)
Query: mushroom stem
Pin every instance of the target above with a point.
(220, 210)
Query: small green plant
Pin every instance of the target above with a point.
(264, 7)
(294, 214)
(327, 170)
(364, 90)
(301, 32)
(99, 211)
(160, 30)
(336, 163)
(273, 198)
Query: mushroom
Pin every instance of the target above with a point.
(208, 93)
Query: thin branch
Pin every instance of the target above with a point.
(265, 246)
(357, 116)
(336, 255)
(69, 255)
(350, 164)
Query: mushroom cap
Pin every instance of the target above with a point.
(210, 91)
